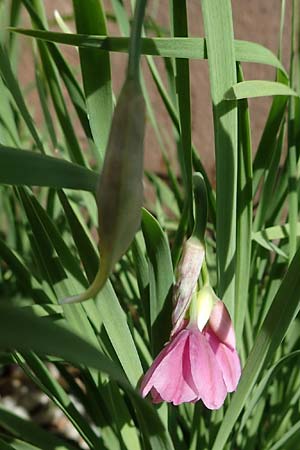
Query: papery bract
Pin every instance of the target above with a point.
(187, 275)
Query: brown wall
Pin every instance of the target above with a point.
(256, 20)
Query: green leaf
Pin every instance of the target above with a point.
(257, 88)
(66, 73)
(293, 127)
(5, 446)
(273, 330)
(16, 444)
(160, 280)
(107, 306)
(269, 187)
(217, 18)
(35, 369)
(29, 431)
(180, 47)
(52, 269)
(30, 285)
(97, 83)
(23, 167)
(244, 215)
(52, 77)
(23, 331)
(8, 131)
(246, 51)
(164, 193)
(13, 86)
(64, 253)
(270, 246)
(275, 232)
(182, 81)
(265, 383)
(115, 323)
(43, 98)
(267, 142)
(289, 440)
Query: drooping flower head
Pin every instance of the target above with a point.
(200, 362)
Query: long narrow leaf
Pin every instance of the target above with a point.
(23, 167)
(218, 27)
(272, 332)
(160, 279)
(29, 332)
(180, 47)
(244, 215)
(257, 88)
(97, 83)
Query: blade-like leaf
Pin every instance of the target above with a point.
(107, 306)
(21, 330)
(268, 139)
(22, 167)
(183, 96)
(265, 382)
(66, 73)
(51, 75)
(279, 317)
(160, 280)
(274, 233)
(217, 18)
(13, 86)
(97, 83)
(31, 432)
(244, 215)
(191, 48)
(257, 88)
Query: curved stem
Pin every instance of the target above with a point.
(135, 40)
(205, 274)
(200, 206)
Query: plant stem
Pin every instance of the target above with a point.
(135, 40)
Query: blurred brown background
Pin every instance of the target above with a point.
(256, 20)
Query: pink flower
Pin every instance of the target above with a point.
(200, 362)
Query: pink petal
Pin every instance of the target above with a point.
(227, 359)
(156, 398)
(220, 323)
(147, 384)
(206, 372)
(166, 375)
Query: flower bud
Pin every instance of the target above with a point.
(119, 194)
